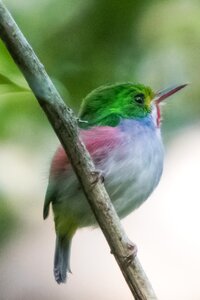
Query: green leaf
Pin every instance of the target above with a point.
(9, 86)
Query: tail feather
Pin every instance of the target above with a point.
(61, 259)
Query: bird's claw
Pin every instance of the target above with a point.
(97, 176)
(131, 253)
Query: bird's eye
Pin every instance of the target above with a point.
(139, 98)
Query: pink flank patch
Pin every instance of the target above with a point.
(59, 163)
(99, 141)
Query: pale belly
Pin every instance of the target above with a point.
(131, 181)
(131, 171)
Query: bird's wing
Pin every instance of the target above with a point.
(58, 167)
(100, 141)
(50, 195)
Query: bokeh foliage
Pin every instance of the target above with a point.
(8, 220)
(84, 44)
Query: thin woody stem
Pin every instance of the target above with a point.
(64, 123)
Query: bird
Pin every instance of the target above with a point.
(120, 125)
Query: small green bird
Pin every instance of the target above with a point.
(122, 133)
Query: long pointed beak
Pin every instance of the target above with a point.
(163, 94)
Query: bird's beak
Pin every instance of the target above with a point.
(163, 94)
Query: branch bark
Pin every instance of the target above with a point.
(64, 124)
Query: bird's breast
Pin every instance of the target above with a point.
(134, 167)
(131, 159)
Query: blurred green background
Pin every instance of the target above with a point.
(84, 44)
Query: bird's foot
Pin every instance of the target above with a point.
(131, 252)
(97, 176)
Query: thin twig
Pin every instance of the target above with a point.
(64, 123)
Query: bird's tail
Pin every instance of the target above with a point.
(61, 259)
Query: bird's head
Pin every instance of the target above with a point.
(108, 105)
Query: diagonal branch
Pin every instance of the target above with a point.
(64, 123)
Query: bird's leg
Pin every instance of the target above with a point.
(97, 176)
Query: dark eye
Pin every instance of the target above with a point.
(139, 98)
